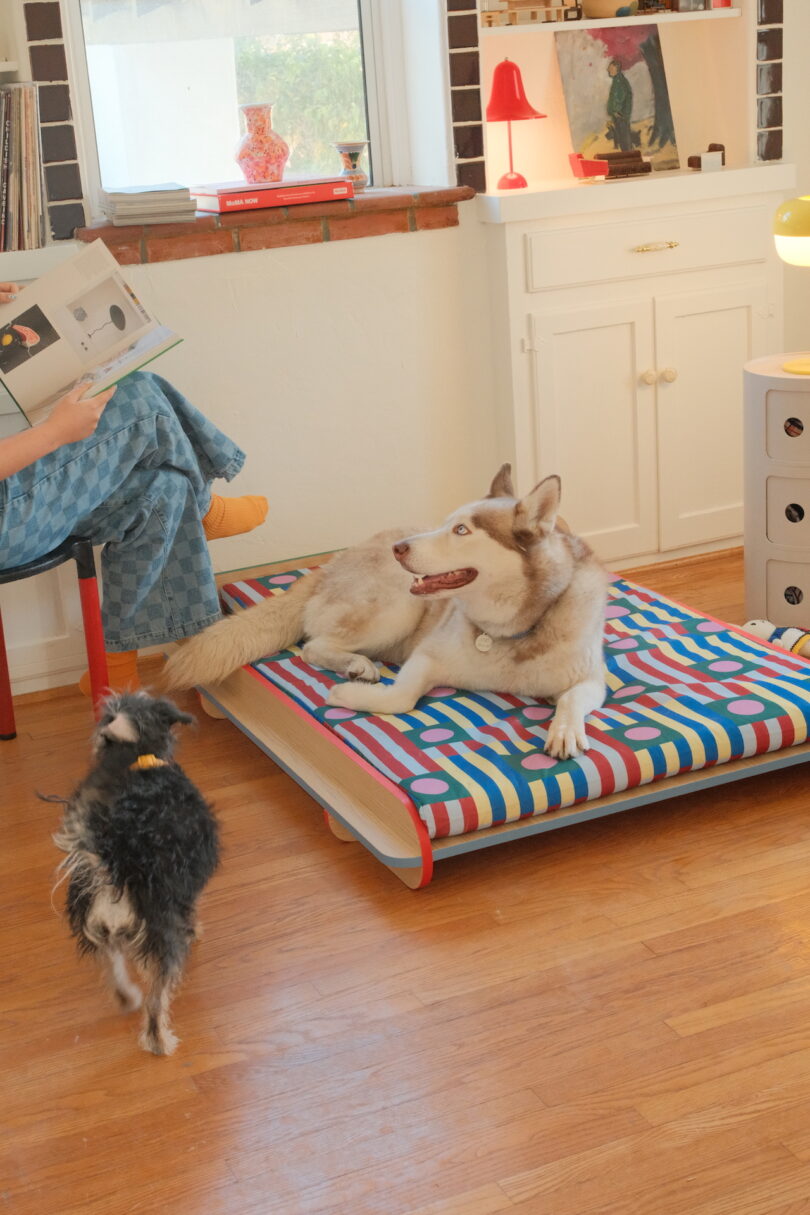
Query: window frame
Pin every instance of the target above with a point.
(386, 98)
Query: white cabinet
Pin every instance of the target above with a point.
(702, 340)
(638, 408)
(595, 419)
(620, 341)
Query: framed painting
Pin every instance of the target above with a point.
(616, 92)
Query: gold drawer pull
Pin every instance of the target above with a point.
(657, 247)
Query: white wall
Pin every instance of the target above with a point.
(355, 374)
(797, 150)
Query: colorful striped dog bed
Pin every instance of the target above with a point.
(686, 694)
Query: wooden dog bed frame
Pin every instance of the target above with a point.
(363, 804)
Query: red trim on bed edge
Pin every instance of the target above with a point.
(421, 829)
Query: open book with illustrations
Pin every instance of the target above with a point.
(80, 321)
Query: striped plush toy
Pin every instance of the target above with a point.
(792, 639)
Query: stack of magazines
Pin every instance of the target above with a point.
(164, 204)
(22, 206)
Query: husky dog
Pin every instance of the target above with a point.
(141, 843)
(501, 597)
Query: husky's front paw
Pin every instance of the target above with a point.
(566, 739)
(362, 668)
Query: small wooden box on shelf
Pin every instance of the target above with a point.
(509, 12)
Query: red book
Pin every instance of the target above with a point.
(244, 196)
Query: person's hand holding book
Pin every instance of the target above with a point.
(8, 292)
(73, 418)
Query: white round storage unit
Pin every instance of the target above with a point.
(777, 492)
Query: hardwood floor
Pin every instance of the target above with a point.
(607, 1019)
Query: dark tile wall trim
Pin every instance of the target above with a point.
(769, 44)
(769, 145)
(769, 79)
(770, 12)
(465, 93)
(464, 68)
(770, 39)
(469, 141)
(466, 104)
(43, 21)
(462, 31)
(472, 173)
(63, 184)
(769, 112)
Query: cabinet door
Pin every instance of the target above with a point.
(702, 340)
(594, 420)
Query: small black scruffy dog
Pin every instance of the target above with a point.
(141, 843)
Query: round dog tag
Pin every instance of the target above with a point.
(483, 642)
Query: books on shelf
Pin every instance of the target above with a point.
(222, 197)
(169, 203)
(22, 193)
(79, 321)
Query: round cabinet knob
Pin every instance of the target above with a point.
(669, 375)
(647, 377)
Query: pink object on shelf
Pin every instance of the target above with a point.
(262, 154)
(587, 168)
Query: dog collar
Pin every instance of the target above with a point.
(484, 642)
(147, 761)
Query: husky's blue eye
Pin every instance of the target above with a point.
(461, 530)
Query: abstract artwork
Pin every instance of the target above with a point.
(616, 93)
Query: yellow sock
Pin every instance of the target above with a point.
(233, 516)
(122, 673)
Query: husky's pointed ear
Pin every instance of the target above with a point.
(536, 514)
(501, 486)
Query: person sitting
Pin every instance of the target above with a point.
(131, 469)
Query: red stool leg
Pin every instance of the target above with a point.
(91, 618)
(7, 727)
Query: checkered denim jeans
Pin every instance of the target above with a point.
(140, 486)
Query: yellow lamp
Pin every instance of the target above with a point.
(791, 234)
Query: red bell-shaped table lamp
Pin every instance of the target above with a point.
(507, 103)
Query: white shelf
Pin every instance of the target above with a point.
(572, 197)
(714, 14)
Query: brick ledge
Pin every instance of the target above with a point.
(377, 212)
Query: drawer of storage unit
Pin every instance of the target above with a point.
(787, 426)
(563, 257)
(788, 593)
(788, 511)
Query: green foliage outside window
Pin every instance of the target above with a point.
(315, 85)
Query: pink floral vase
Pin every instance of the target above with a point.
(262, 154)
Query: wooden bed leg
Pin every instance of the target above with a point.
(338, 830)
(209, 708)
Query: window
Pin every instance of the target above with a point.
(164, 80)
